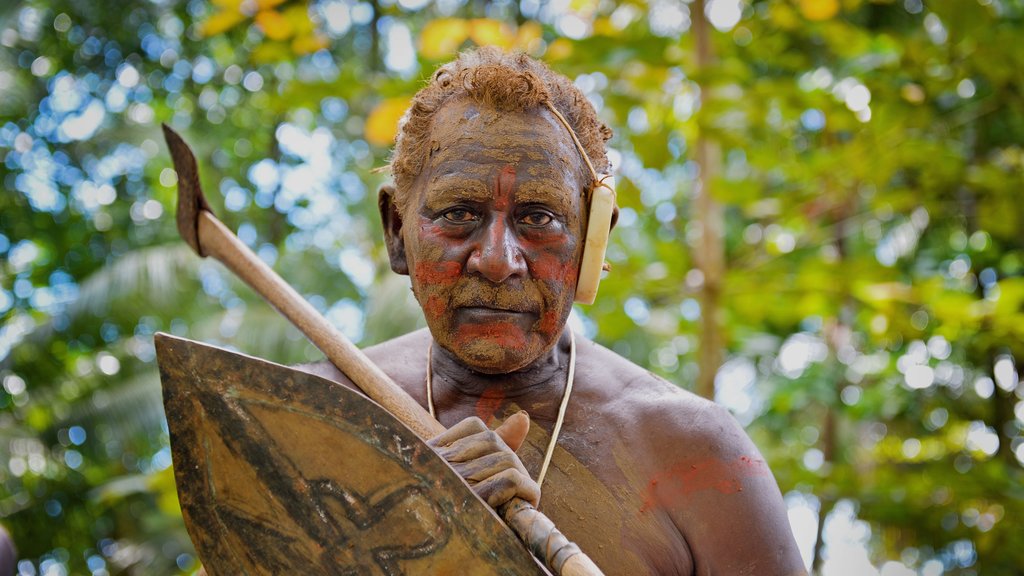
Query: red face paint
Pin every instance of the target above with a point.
(438, 272)
(495, 251)
(672, 488)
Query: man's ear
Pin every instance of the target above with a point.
(391, 218)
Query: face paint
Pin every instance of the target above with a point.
(493, 235)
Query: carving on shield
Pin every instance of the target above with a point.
(283, 472)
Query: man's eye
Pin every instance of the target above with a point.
(459, 216)
(537, 219)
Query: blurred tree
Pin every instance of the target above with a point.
(869, 287)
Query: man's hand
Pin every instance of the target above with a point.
(486, 458)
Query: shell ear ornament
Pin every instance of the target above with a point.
(599, 224)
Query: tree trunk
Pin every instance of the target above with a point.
(709, 255)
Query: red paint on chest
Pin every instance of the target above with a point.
(438, 272)
(672, 487)
(488, 404)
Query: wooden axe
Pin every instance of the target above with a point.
(209, 237)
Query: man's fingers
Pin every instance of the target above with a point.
(514, 430)
(471, 447)
(466, 427)
(502, 487)
(481, 468)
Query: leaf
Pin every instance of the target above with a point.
(1011, 297)
(560, 49)
(490, 32)
(232, 5)
(441, 38)
(818, 10)
(529, 36)
(275, 25)
(268, 52)
(884, 292)
(220, 22)
(308, 44)
(298, 17)
(382, 124)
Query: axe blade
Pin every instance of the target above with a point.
(191, 201)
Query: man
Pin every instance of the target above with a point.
(487, 217)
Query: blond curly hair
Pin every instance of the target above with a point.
(504, 81)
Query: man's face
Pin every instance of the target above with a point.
(492, 234)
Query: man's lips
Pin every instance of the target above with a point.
(488, 313)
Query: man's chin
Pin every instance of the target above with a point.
(491, 361)
(497, 351)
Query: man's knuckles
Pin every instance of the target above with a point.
(506, 485)
(474, 446)
(466, 427)
(484, 467)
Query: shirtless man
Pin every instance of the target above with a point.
(487, 217)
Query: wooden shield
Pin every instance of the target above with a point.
(283, 472)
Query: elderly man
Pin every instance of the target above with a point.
(494, 167)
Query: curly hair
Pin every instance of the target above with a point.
(502, 81)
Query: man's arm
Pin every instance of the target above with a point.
(721, 495)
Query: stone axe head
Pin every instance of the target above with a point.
(191, 201)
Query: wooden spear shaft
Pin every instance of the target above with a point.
(208, 236)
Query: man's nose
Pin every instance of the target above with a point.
(497, 256)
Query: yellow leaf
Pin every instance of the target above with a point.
(783, 16)
(559, 49)
(308, 44)
(265, 4)
(269, 52)
(529, 36)
(220, 22)
(604, 27)
(274, 25)
(228, 5)
(298, 16)
(819, 9)
(382, 124)
(586, 6)
(442, 37)
(491, 32)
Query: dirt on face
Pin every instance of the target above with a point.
(493, 234)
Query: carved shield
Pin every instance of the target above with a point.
(283, 472)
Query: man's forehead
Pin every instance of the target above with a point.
(470, 141)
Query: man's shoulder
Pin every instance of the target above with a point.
(640, 402)
(401, 358)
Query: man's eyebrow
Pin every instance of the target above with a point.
(554, 192)
(456, 187)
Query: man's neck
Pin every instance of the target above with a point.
(543, 380)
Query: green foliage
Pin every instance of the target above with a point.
(871, 172)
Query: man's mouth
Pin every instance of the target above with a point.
(493, 314)
(493, 310)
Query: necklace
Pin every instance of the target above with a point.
(561, 408)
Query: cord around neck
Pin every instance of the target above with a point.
(561, 408)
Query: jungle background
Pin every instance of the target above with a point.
(821, 228)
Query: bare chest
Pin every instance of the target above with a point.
(599, 501)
